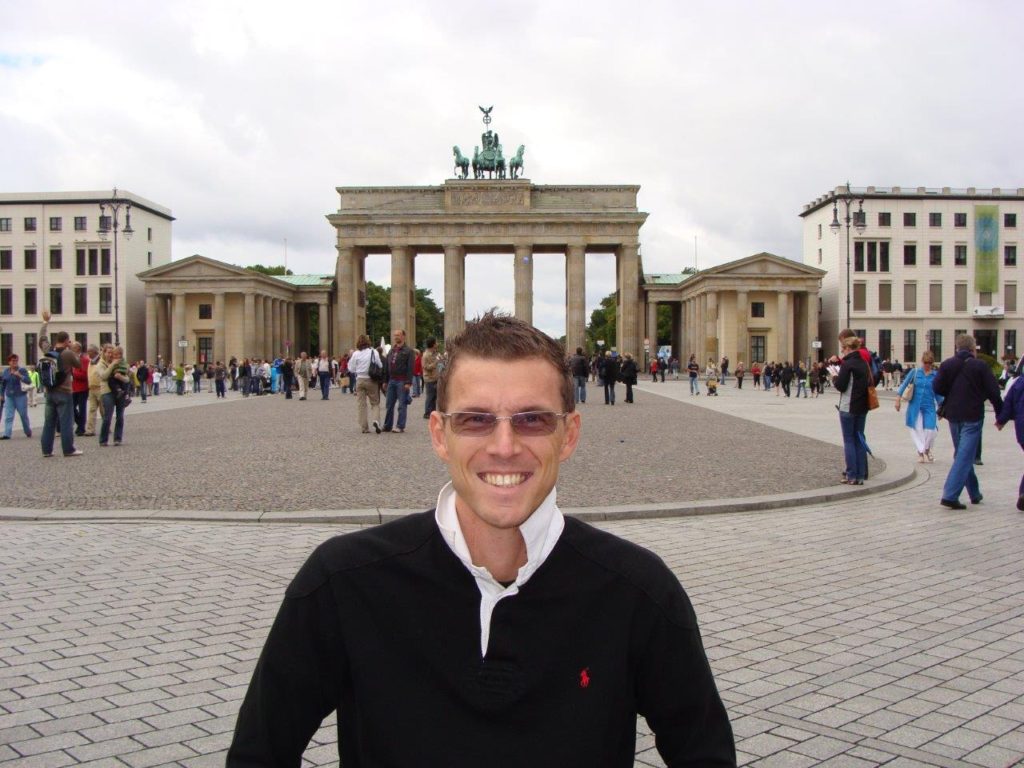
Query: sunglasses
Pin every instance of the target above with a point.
(526, 424)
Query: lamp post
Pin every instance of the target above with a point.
(110, 222)
(859, 223)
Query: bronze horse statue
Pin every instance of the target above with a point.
(461, 164)
(515, 165)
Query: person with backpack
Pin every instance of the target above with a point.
(13, 383)
(54, 369)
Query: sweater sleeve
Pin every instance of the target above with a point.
(676, 692)
(294, 684)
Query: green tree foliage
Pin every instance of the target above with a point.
(429, 317)
(664, 329)
(602, 325)
(273, 271)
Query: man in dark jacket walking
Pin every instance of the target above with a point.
(966, 382)
(610, 376)
(398, 373)
(580, 369)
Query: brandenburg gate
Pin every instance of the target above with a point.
(501, 215)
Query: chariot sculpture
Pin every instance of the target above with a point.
(491, 159)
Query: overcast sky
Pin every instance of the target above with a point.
(243, 117)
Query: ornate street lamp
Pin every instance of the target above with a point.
(859, 223)
(108, 223)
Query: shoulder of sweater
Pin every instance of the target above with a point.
(633, 564)
(363, 549)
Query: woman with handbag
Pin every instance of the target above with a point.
(852, 385)
(368, 367)
(922, 406)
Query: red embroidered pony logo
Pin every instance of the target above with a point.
(585, 677)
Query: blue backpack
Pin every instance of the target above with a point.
(51, 372)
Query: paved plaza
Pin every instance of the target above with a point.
(843, 629)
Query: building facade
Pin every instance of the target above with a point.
(54, 257)
(925, 265)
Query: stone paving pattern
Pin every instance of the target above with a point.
(882, 630)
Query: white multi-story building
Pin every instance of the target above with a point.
(924, 265)
(53, 256)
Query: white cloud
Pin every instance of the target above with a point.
(243, 117)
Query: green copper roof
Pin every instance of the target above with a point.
(669, 278)
(305, 279)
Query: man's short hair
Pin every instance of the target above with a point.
(61, 337)
(498, 336)
(965, 342)
(579, 350)
(431, 342)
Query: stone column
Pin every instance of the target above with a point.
(742, 337)
(400, 284)
(652, 326)
(811, 320)
(523, 271)
(268, 328)
(410, 330)
(324, 331)
(628, 330)
(454, 290)
(249, 326)
(178, 329)
(576, 297)
(289, 326)
(345, 299)
(259, 329)
(275, 328)
(219, 329)
(784, 327)
(151, 328)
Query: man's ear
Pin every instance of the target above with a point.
(438, 437)
(573, 424)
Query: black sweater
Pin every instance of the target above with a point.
(384, 626)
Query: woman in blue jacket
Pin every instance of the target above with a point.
(922, 419)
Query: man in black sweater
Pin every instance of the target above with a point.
(490, 631)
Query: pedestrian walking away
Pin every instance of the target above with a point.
(535, 638)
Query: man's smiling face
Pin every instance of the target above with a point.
(501, 478)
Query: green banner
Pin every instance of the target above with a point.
(986, 246)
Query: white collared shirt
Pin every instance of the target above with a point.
(540, 532)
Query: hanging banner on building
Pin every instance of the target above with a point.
(986, 246)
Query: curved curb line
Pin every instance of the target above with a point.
(381, 515)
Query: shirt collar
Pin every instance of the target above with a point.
(540, 532)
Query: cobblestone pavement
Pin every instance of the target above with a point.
(875, 630)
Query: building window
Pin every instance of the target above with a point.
(81, 300)
(1009, 297)
(83, 339)
(56, 258)
(1010, 220)
(934, 219)
(30, 301)
(885, 297)
(885, 344)
(206, 311)
(858, 256)
(5, 225)
(884, 219)
(757, 309)
(149, 258)
(935, 297)
(960, 297)
(1009, 255)
(56, 300)
(205, 345)
(757, 348)
(106, 337)
(910, 255)
(30, 258)
(80, 269)
(819, 257)
(959, 220)
(55, 223)
(31, 349)
(105, 299)
(909, 219)
(862, 334)
(6, 345)
(30, 223)
(6, 302)
(1010, 339)
(934, 342)
(94, 263)
(910, 297)
(910, 344)
(860, 297)
(149, 233)
(105, 223)
(935, 255)
(871, 256)
(6, 258)
(960, 255)
(105, 261)
(81, 223)
(985, 299)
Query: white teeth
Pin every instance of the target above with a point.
(504, 481)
